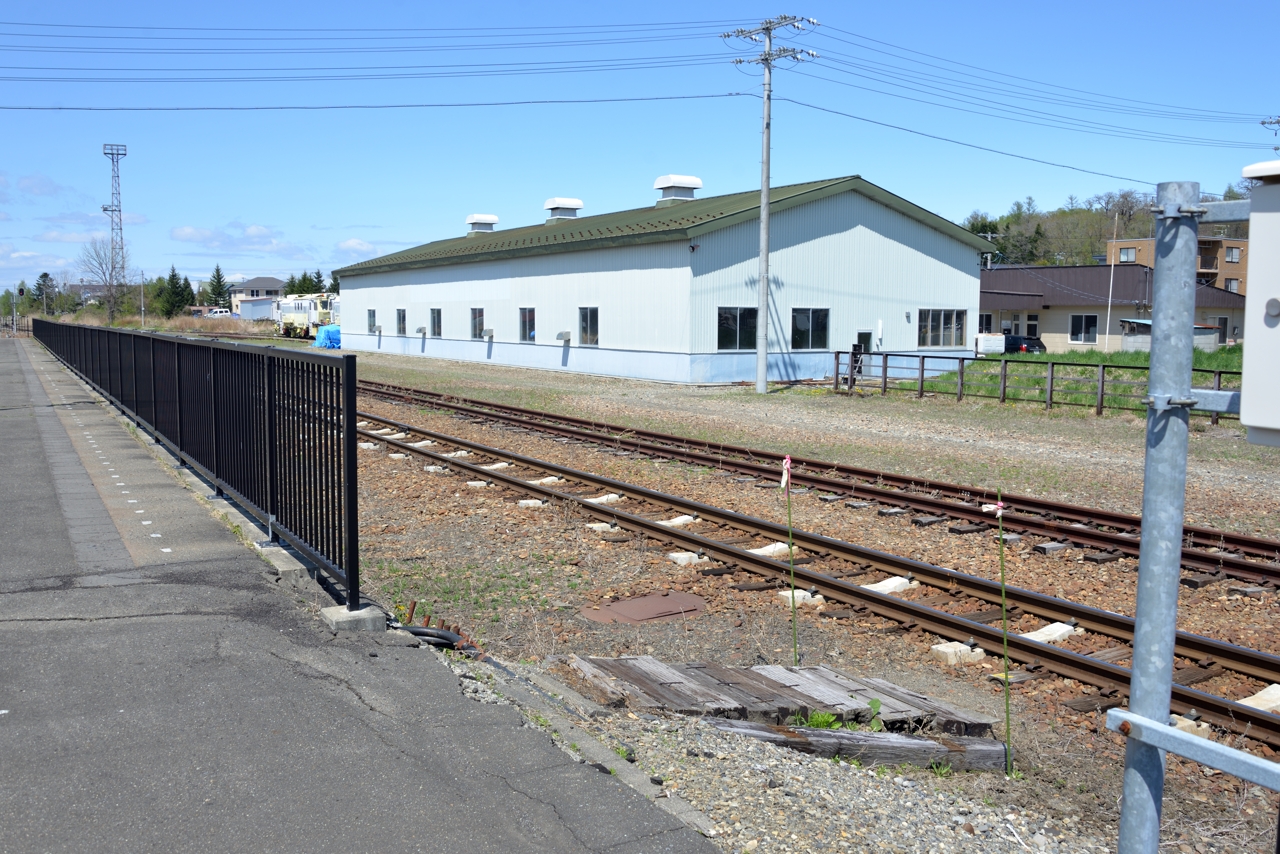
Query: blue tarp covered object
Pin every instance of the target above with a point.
(329, 337)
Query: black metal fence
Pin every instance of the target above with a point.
(274, 429)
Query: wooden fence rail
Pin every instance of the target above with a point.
(1053, 383)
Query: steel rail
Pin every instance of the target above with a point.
(1225, 713)
(1016, 522)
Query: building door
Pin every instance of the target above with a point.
(864, 340)
(1222, 329)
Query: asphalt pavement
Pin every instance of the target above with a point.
(161, 692)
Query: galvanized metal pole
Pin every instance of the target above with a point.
(762, 310)
(1163, 499)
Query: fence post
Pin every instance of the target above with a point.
(1102, 385)
(1217, 384)
(273, 457)
(350, 495)
(884, 374)
(177, 398)
(213, 409)
(155, 404)
(1004, 377)
(1048, 387)
(960, 381)
(920, 389)
(835, 373)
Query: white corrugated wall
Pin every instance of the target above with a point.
(867, 263)
(642, 293)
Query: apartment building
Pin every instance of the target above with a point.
(1223, 262)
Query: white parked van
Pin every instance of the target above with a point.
(219, 312)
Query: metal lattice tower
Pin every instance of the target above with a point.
(115, 152)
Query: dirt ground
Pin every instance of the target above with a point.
(1067, 454)
(517, 579)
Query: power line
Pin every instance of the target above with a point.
(1071, 124)
(469, 70)
(575, 27)
(375, 106)
(1145, 103)
(965, 144)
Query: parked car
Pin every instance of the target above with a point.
(1023, 344)
(219, 312)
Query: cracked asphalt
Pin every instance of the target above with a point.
(160, 692)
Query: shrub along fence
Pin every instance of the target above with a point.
(274, 429)
(1048, 383)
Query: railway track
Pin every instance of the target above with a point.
(1205, 550)
(839, 571)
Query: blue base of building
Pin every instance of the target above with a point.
(632, 364)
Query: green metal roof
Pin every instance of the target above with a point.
(681, 221)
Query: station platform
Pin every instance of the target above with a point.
(161, 691)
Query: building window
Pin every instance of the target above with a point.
(526, 325)
(1084, 329)
(436, 325)
(1233, 285)
(589, 327)
(477, 323)
(1128, 254)
(1233, 254)
(273, 293)
(253, 294)
(809, 328)
(984, 324)
(373, 320)
(736, 329)
(402, 322)
(1033, 326)
(941, 327)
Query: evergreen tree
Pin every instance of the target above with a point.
(188, 295)
(291, 286)
(219, 294)
(333, 284)
(318, 278)
(170, 299)
(305, 283)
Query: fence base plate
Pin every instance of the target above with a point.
(367, 619)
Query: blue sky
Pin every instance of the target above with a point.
(273, 192)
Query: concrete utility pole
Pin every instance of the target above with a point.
(766, 60)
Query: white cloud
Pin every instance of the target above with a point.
(40, 185)
(238, 239)
(52, 236)
(355, 246)
(95, 218)
(28, 265)
(4, 217)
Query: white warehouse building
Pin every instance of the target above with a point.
(669, 292)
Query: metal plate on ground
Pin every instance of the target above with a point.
(645, 609)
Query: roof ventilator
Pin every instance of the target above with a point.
(562, 209)
(676, 189)
(481, 224)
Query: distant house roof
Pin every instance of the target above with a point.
(260, 282)
(1031, 288)
(646, 225)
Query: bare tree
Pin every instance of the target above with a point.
(108, 274)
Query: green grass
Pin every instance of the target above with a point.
(469, 594)
(1075, 382)
(1223, 359)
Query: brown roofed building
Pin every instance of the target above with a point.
(1066, 307)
